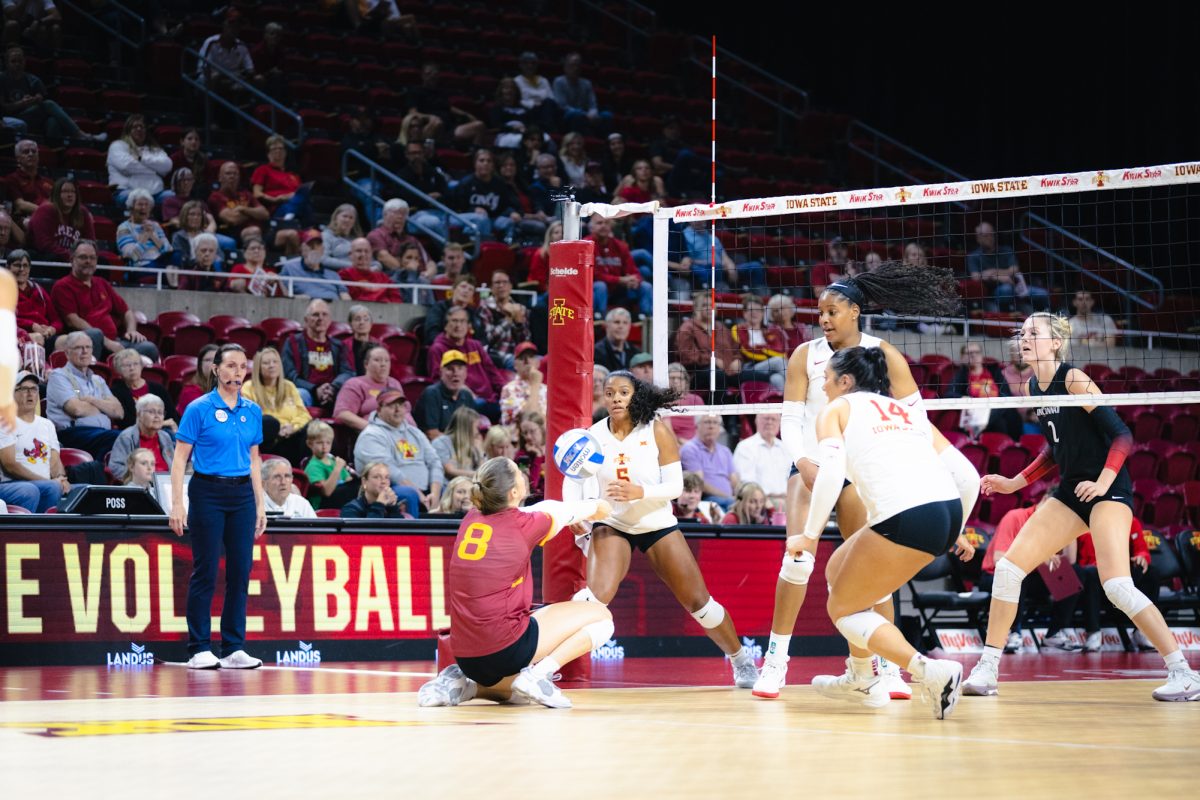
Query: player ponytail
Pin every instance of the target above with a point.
(867, 365)
(492, 484)
(903, 288)
(1060, 331)
(647, 398)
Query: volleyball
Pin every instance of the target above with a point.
(577, 454)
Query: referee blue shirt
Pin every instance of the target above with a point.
(221, 436)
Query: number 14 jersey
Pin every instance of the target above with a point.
(890, 457)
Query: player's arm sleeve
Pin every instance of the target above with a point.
(827, 487)
(563, 513)
(792, 428)
(1040, 467)
(1122, 439)
(670, 485)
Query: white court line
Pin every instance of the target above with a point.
(952, 737)
(348, 671)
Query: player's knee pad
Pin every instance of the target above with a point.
(1007, 584)
(1125, 596)
(966, 479)
(600, 632)
(585, 595)
(858, 628)
(797, 571)
(710, 615)
(887, 598)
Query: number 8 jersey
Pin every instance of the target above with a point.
(890, 458)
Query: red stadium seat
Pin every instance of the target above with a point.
(382, 330)
(1185, 426)
(72, 457)
(1033, 442)
(189, 339)
(413, 388)
(1142, 463)
(1191, 500)
(1168, 507)
(1143, 490)
(493, 256)
(998, 505)
(957, 438)
(977, 454)
(156, 374)
(222, 323)
(1177, 466)
(405, 349)
(1147, 425)
(1012, 460)
(168, 321)
(277, 328)
(329, 512)
(179, 368)
(339, 330)
(251, 338)
(1034, 492)
(300, 478)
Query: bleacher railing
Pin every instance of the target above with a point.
(130, 27)
(375, 170)
(192, 63)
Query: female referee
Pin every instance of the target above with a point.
(504, 652)
(907, 289)
(1089, 445)
(913, 515)
(220, 432)
(641, 476)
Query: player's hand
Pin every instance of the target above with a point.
(1142, 562)
(624, 491)
(800, 544)
(964, 549)
(581, 528)
(997, 484)
(1090, 490)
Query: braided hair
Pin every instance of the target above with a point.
(647, 398)
(903, 288)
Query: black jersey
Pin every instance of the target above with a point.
(1079, 445)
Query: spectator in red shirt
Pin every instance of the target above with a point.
(834, 268)
(483, 377)
(283, 193)
(262, 281)
(27, 187)
(36, 314)
(314, 361)
(237, 212)
(89, 303)
(363, 270)
(1145, 577)
(57, 225)
(615, 273)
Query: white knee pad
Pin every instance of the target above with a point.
(887, 598)
(1007, 583)
(600, 632)
(1124, 595)
(585, 595)
(858, 628)
(797, 571)
(966, 479)
(710, 615)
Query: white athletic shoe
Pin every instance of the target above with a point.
(240, 659)
(1094, 642)
(897, 689)
(539, 690)
(772, 678)
(982, 682)
(449, 688)
(203, 660)
(864, 690)
(1013, 643)
(745, 675)
(942, 685)
(1060, 641)
(1183, 684)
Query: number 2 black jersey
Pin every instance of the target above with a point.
(1079, 444)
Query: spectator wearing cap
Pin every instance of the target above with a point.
(505, 321)
(278, 498)
(413, 466)
(313, 360)
(642, 367)
(576, 99)
(389, 240)
(834, 268)
(357, 400)
(614, 351)
(461, 297)
(616, 276)
(484, 379)
(237, 212)
(33, 475)
(89, 304)
(363, 269)
(148, 433)
(527, 391)
(537, 94)
(438, 402)
(309, 277)
(79, 402)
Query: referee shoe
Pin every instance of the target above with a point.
(203, 660)
(240, 659)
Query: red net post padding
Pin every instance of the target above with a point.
(570, 347)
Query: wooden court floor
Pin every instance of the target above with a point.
(354, 731)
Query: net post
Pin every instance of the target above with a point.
(572, 224)
(659, 334)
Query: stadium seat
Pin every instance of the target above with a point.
(998, 505)
(188, 339)
(1098, 372)
(1033, 442)
(1143, 462)
(1177, 466)
(1185, 426)
(339, 330)
(382, 330)
(276, 328)
(168, 321)
(1169, 553)
(493, 256)
(1143, 490)
(222, 323)
(329, 512)
(300, 479)
(1147, 425)
(404, 347)
(978, 455)
(72, 457)
(1012, 460)
(1034, 492)
(957, 438)
(1191, 500)
(1187, 545)
(414, 386)
(251, 338)
(1168, 507)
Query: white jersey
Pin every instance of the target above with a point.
(819, 353)
(890, 457)
(634, 459)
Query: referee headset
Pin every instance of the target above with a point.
(219, 359)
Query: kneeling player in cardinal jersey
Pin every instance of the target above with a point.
(504, 651)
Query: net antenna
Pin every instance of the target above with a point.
(712, 239)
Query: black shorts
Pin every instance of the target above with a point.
(931, 527)
(491, 669)
(794, 472)
(1120, 492)
(642, 541)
